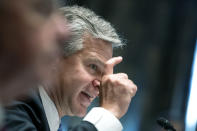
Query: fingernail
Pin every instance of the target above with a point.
(120, 57)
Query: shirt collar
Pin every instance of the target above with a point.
(50, 110)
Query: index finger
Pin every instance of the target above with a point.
(109, 65)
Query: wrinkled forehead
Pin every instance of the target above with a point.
(98, 46)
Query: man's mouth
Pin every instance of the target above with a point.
(86, 98)
(87, 94)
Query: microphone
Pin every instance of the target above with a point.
(165, 124)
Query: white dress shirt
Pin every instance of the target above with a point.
(101, 118)
(50, 110)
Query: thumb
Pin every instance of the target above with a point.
(111, 63)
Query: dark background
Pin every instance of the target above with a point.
(160, 37)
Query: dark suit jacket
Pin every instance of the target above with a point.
(29, 115)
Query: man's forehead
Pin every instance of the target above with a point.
(99, 46)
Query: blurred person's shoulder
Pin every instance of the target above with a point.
(26, 113)
(30, 99)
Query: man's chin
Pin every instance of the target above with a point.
(81, 112)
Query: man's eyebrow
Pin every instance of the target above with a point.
(97, 61)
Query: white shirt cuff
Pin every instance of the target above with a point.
(103, 120)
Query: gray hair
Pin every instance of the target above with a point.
(80, 21)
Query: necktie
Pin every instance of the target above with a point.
(64, 124)
(60, 128)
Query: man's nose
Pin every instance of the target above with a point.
(96, 84)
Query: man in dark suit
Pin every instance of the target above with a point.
(29, 115)
(85, 71)
(29, 111)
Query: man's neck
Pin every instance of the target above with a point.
(51, 92)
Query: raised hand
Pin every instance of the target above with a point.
(116, 90)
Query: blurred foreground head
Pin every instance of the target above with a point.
(30, 33)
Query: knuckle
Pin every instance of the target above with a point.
(106, 77)
(132, 90)
(131, 82)
(113, 79)
(134, 87)
(110, 79)
(123, 75)
(115, 82)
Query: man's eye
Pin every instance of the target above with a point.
(93, 66)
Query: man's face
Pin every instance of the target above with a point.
(81, 75)
(29, 41)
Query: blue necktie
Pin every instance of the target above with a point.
(64, 124)
(60, 128)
